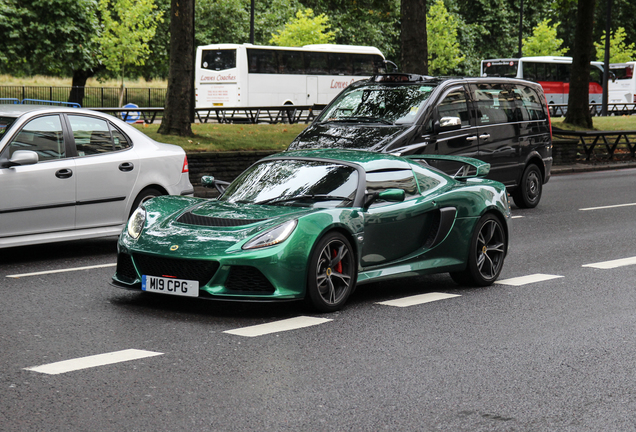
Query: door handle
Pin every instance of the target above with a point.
(484, 136)
(64, 173)
(471, 138)
(126, 166)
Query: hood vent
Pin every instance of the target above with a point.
(192, 219)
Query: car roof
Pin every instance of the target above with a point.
(17, 110)
(369, 161)
(409, 79)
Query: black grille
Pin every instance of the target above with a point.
(192, 219)
(435, 224)
(248, 279)
(199, 270)
(125, 268)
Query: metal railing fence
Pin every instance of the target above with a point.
(94, 97)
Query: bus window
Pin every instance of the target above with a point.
(316, 63)
(218, 59)
(340, 64)
(262, 61)
(291, 62)
(366, 64)
(596, 75)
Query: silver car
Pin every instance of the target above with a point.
(69, 174)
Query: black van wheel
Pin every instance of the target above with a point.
(528, 194)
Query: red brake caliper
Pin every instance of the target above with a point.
(338, 267)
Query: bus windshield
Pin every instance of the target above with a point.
(501, 68)
(623, 71)
(379, 103)
(218, 60)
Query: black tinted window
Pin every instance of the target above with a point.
(494, 103)
(218, 59)
(454, 105)
(529, 105)
(262, 61)
(340, 64)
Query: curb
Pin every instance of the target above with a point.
(582, 167)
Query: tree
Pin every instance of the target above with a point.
(544, 41)
(413, 39)
(128, 26)
(620, 52)
(579, 99)
(303, 30)
(55, 37)
(444, 54)
(179, 97)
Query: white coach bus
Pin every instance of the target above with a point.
(232, 75)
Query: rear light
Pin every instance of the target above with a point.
(635, 98)
(185, 165)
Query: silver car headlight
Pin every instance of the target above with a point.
(272, 236)
(136, 222)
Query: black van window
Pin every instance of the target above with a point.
(494, 103)
(454, 105)
(529, 105)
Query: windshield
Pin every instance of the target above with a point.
(5, 124)
(500, 68)
(379, 104)
(295, 183)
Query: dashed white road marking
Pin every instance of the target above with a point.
(278, 326)
(613, 263)
(516, 217)
(524, 280)
(608, 207)
(417, 299)
(92, 361)
(16, 276)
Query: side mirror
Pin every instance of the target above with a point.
(21, 157)
(450, 123)
(210, 181)
(390, 195)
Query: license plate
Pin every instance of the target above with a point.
(172, 286)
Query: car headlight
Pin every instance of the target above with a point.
(272, 236)
(136, 222)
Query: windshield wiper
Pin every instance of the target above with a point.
(318, 197)
(360, 119)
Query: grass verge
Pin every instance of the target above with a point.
(610, 123)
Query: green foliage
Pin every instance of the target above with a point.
(304, 29)
(221, 21)
(444, 53)
(620, 52)
(128, 26)
(544, 41)
(48, 36)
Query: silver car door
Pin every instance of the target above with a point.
(38, 198)
(107, 168)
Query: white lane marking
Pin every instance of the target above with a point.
(613, 263)
(278, 326)
(608, 207)
(516, 217)
(524, 280)
(92, 361)
(417, 299)
(16, 276)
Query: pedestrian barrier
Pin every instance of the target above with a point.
(559, 110)
(602, 144)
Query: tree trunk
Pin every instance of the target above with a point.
(579, 99)
(413, 37)
(78, 85)
(176, 116)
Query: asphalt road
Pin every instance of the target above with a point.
(553, 351)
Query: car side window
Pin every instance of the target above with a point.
(95, 136)
(528, 103)
(378, 181)
(494, 104)
(454, 105)
(42, 135)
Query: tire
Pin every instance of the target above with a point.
(487, 252)
(333, 273)
(144, 196)
(528, 193)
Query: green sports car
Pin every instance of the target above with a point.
(314, 224)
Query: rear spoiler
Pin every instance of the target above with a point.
(481, 169)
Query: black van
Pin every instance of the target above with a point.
(502, 121)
